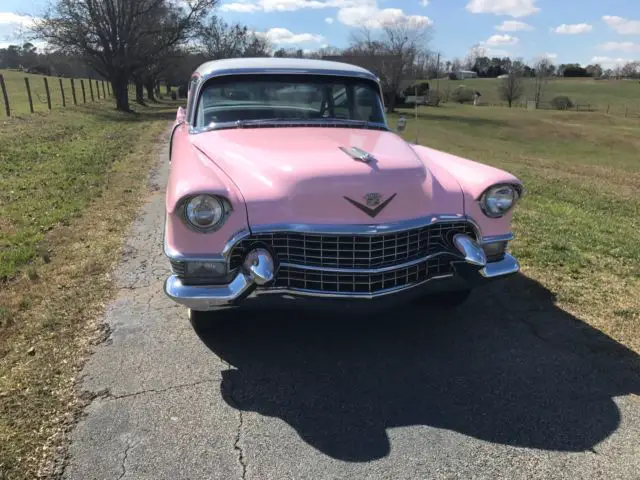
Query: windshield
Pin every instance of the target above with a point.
(288, 98)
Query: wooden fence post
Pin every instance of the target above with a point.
(26, 82)
(626, 112)
(64, 100)
(104, 95)
(98, 89)
(84, 95)
(46, 88)
(608, 106)
(7, 109)
(108, 88)
(73, 92)
(91, 90)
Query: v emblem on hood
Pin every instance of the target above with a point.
(372, 212)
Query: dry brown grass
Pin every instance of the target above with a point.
(49, 318)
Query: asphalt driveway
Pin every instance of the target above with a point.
(507, 386)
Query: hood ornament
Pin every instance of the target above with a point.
(358, 154)
(373, 206)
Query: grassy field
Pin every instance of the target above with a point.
(578, 227)
(70, 183)
(600, 94)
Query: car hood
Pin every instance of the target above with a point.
(293, 175)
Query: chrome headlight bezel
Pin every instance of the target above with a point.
(493, 199)
(225, 211)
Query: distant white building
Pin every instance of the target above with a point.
(462, 74)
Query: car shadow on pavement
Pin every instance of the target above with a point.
(507, 367)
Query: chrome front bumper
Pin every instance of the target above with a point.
(470, 271)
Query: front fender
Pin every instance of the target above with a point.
(474, 178)
(192, 173)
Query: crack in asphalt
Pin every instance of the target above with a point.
(237, 447)
(108, 395)
(124, 460)
(236, 442)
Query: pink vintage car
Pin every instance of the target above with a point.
(286, 180)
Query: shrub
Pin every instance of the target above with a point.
(434, 98)
(462, 94)
(423, 89)
(562, 102)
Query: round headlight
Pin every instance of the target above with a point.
(498, 200)
(204, 211)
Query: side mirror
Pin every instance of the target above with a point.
(401, 126)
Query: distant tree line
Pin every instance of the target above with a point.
(146, 42)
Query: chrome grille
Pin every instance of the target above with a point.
(354, 251)
(362, 283)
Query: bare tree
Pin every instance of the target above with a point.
(391, 54)
(630, 70)
(511, 88)
(117, 37)
(543, 69)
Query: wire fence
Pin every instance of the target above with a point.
(628, 111)
(24, 94)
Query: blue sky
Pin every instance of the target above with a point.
(584, 31)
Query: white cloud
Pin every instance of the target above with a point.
(574, 29)
(372, 17)
(496, 52)
(424, 3)
(9, 18)
(623, 26)
(514, 8)
(500, 40)
(240, 7)
(620, 47)
(329, 20)
(354, 13)
(550, 56)
(281, 36)
(245, 6)
(609, 62)
(513, 26)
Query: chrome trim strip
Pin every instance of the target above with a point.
(372, 270)
(362, 229)
(335, 123)
(507, 266)
(365, 296)
(507, 237)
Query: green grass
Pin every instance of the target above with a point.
(578, 227)
(617, 95)
(71, 181)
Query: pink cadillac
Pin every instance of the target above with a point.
(286, 180)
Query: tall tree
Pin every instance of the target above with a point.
(391, 53)
(543, 69)
(511, 88)
(116, 36)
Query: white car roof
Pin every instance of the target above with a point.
(281, 65)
